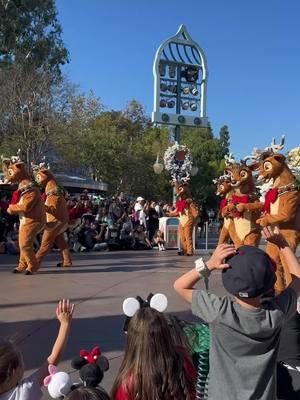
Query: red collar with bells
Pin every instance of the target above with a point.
(180, 205)
(240, 199)
(271, 197)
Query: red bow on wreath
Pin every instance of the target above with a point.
(237, 200)
(91, 356)
(180, 205)
(271, 197)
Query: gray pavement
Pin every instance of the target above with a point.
(97, 284)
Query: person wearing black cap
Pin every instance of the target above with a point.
(245, 330)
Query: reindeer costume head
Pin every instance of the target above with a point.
(272, 165)
(240, 175)
(42, 174)
(14, 169)
(223, 185)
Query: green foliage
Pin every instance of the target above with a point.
(208, 153)
(30, 35)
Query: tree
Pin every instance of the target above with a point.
(224, 140)
(32, 110)
(30, 35)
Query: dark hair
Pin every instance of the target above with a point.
(10, 358)
(153, 367)
(87, 393)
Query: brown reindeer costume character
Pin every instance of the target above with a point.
(57, 217)
(224, 190)
(27, 204)
(187, 211)
(282, 205)
(245, 206)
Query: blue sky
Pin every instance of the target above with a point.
(252, 49)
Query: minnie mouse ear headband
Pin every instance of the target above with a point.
(131, 305)
(91, 366)
(59, 384)
(157, 301)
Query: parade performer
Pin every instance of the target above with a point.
(27, 204)
(245, 206)
(178, 161)
(187, 211)
(57, 216)
(225, 191)
(282, 205)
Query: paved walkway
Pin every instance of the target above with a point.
(97, 284)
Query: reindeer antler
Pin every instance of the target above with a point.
(245, 159)
(276, 147)
(229, 159)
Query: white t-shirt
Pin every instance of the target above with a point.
(27, 389)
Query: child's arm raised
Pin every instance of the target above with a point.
(184, 285)
(64, 313)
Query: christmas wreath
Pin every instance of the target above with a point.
(178, 161)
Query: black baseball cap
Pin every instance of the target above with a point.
(251, 273)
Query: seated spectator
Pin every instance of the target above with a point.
(141, 242)
(245, 331)
(159, 241)
(87, 393)
(12, 240)
(12, 384)
(153, 366)
(93, 240)
(126, 234)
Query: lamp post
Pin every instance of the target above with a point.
(180, 81)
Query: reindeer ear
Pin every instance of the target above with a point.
(19, 165)
(159, 302)
(254, 166)
(279, 157)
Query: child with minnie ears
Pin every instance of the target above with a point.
(12, 384)
(245, 330)
(154, 367)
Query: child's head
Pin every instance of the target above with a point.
(152, 359)
(87, 393)
(11, 366)
(251, 273)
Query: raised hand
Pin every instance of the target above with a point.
(274, 236)
(217, 260)
(64, 311)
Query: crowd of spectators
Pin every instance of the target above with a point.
(97, 223)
